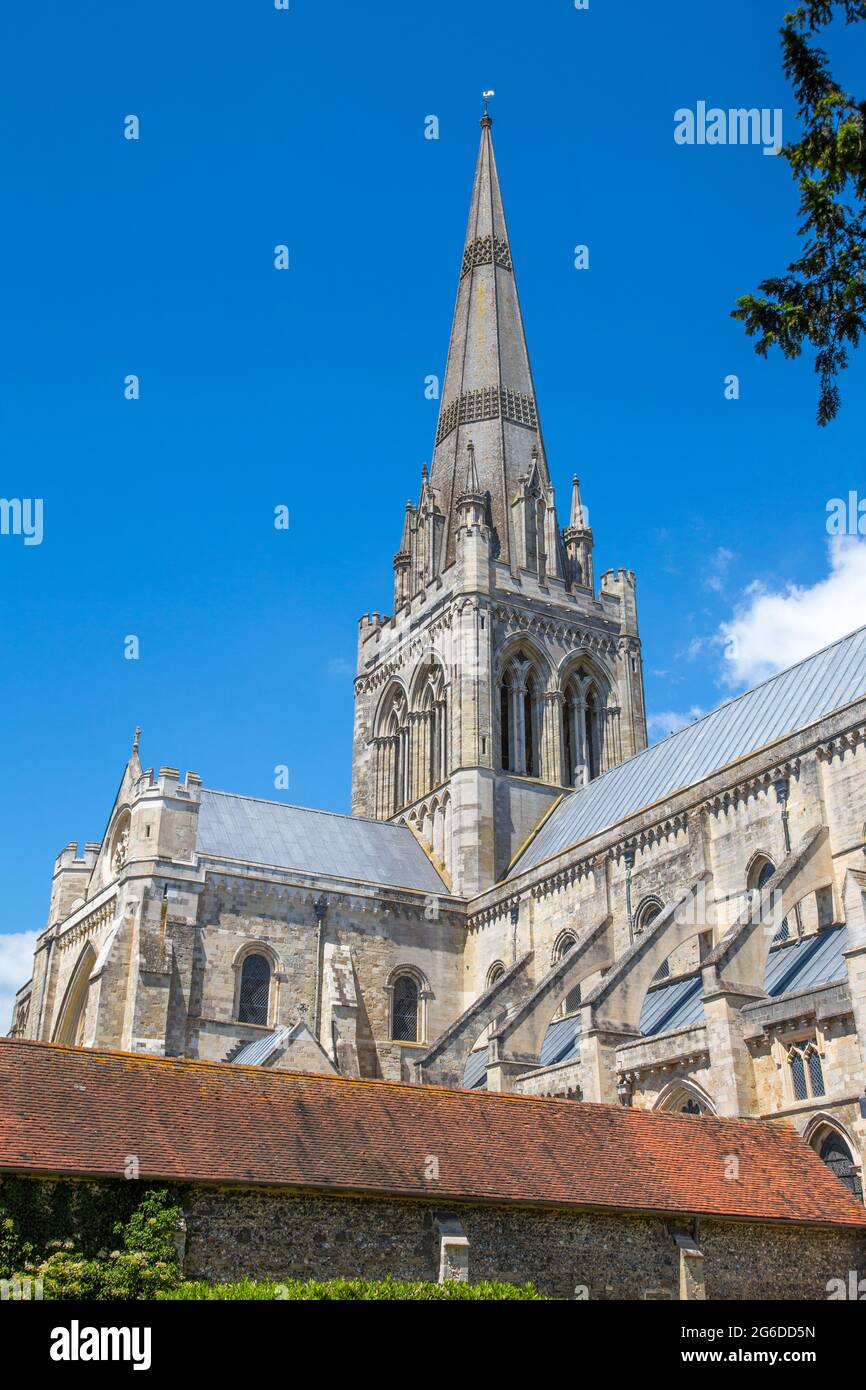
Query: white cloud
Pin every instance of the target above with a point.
(693, 650)
(16, 963)
(339, 666)
(669, 721)
(718, 565)
(771, 630)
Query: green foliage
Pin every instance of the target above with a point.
(44, 1213)
(821, 300)
(353, 1289)
(109, 1241)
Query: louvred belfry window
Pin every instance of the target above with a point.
(255, 990)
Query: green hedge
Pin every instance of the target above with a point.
(271, 1290)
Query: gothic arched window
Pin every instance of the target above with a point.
(644, 918)
(837, 1156)
(428, 735)
(405, 999)
(593, 731)
(571, 1004)
(70, 1024)
(392, 754)
(255, 990)
(761, 873)
(807, 1074)
(582, 729)
(521, 716)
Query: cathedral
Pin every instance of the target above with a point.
(526, 897)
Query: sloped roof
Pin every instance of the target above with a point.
(814, 960)
(271, 833)
(789, 701)
(77, 1111)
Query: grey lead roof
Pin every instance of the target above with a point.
(797, 965)
(270, 833)
(252, 1054)
(791, 700)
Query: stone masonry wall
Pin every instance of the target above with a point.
(383, 931)
(232, 1234)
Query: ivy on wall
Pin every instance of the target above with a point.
(90, 1240)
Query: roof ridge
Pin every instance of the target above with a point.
(717, 709)
(496, 1148)
(768, 680)
(294, 806)
(370, 1083)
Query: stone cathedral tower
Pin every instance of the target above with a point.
(503, 680)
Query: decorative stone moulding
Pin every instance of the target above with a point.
(487, 403)
(485, 250)
(88, 926)
(492, 913)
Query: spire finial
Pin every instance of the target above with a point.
(578, 517)
(487, 119)
(472, 483)
(135, 739)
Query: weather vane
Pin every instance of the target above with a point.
(486, 96)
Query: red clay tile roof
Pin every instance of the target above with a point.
(68, 1110)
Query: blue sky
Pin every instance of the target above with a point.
(305, 387)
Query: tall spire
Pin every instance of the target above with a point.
(488, 390)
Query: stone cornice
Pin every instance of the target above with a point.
(683, 1047)
(574, 873)
(565, 631)
(88, 926)
(843, 743)
(502, 908)
(742, 791)
(819, 1004)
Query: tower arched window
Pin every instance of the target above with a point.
(405, 1002)
(593, 731)
(521, 716)
(838, 1158)
(582, 729)
(429, 735)
(505, 725)
(529, 739)
(392, 754)
(255, 990)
